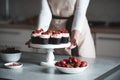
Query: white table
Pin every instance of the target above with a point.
(99, 69)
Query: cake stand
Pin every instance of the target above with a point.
(50, 49)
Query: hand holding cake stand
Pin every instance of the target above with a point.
(50, 49)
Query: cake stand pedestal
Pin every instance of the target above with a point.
(50, 49)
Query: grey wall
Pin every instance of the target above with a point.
(25, 8)
(2, 7)
(106, 10)
(21, 8)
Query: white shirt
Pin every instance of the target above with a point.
(45, 16)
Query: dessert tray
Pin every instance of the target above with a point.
(50, 49)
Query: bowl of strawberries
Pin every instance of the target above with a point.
(71, 65)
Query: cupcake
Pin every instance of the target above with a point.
(44, 38)
(35, 36)
(55, 38)
(65, 36)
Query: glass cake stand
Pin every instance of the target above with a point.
(50, 49)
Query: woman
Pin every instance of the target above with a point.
(72, 15)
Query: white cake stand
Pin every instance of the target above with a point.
(50, 49)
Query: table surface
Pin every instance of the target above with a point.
(98, 69)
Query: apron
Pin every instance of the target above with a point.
(62, 11)
(62, 17)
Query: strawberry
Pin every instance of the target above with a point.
(57, 64)
(66, 65)
(37, 31)
(71, 62)
(41, 30)
(75, 59)
(63, 62)
(83, 64)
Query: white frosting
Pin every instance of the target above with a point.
(65, 35)
(36, 34)
(44, 36)
(56, 36)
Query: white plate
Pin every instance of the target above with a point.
(50, 45)
(13, 65)
(71, 70)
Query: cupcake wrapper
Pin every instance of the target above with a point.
(35, 40)
(43, 41)
(54, 41)
(38, 40)
(64, 40)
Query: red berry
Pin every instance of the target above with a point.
(36, 31)
(66, 60)
(70, 59)
(63, 62)
(66, 65)
(71, 62)
(75, 59)
(83, 64)
(41, 30)
(58, 64)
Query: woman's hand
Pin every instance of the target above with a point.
(28, 43)
(74, 39)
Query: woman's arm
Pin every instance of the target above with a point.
(80, 14)
(45, 16)
(79, 17)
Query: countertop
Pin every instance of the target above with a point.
(98, 69)
(95, 29)
(17, 26)
(105, 29)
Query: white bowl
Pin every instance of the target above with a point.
(71, 70)
(13, 65)
(10, 57)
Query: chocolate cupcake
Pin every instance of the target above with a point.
(55, 38)
(44, 38)
(65, 36)
(35, 36)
